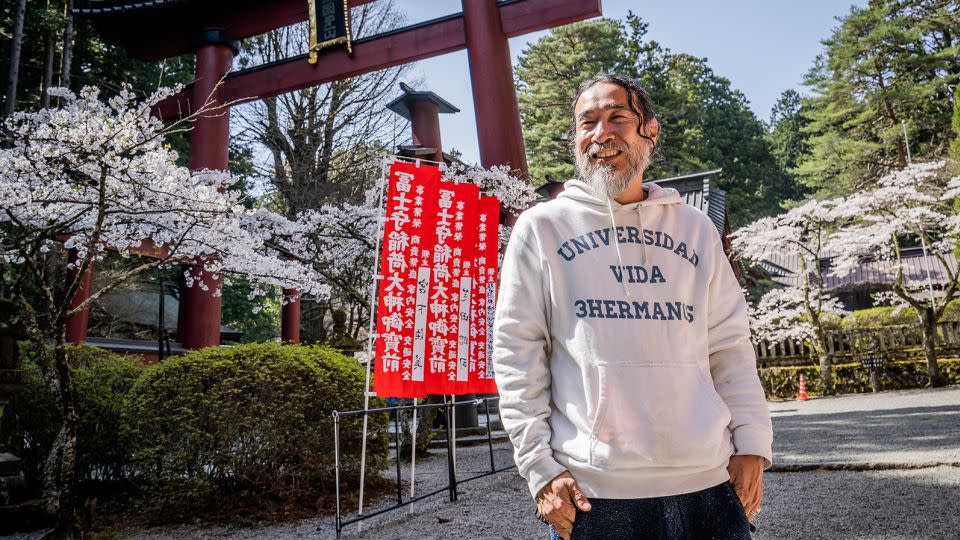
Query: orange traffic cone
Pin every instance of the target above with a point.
(803, 388)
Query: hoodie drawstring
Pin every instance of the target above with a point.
(643, 245)
(616, 243)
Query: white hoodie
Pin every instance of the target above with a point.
(621, 348)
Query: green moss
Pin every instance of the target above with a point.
(784, 382)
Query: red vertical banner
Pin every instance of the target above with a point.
(407, 236)
(484, 296)
(450, 286)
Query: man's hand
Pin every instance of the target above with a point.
(746, 475)
(556, 500)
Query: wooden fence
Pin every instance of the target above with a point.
(851, 345)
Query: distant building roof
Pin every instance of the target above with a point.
(918, 268)
(695, 189)
(111, 7)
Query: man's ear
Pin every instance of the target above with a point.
(652, 129)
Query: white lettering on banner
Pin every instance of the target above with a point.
(397, 241)
(392, 321)
(420, 323)
(396, 262)
(463, 343)
(392, 302)
(403, 182)
(491, 300)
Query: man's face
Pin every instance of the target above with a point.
(610, 151)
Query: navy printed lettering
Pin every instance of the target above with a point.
(674, 311)
(617, 272)
(596, 239)
(581, 244)
(604, 235)
(609, 305)
(681, 250)
(596, 307)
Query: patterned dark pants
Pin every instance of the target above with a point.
(712, 514)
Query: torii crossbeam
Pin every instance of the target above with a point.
(163, 28)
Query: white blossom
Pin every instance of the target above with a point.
(96, 175)
(781, 315)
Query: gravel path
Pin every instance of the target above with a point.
(911, 438)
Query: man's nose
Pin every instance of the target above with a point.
(602, 133)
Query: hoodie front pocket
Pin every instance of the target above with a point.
(658, 415)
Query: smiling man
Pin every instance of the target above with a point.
(627, 380)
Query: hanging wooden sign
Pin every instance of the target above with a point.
(329, 25)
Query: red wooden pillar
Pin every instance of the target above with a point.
(290, 317)
(199, 324)
(77, 324)
(494, 96)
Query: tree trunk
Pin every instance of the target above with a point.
(48, 70)
(59, 474)
(67, 60)
(313, 316)
(930, 348)
(826, 374)
(14, 74)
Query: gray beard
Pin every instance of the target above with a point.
(603, 180)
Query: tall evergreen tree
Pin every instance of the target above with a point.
(789, 142)
(706, 123)
(890, 64)
(955, 148)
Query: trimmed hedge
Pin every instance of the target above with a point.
(884, 316)
(249, 419)
(784, 382)
(101, 380)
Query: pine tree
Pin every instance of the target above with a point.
(885, 66)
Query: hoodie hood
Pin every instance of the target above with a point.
(579, 191)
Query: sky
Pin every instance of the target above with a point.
(762, 46)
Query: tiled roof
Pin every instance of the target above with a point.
(695, 189)
(918, 268)
(113, 7)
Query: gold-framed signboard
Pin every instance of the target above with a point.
(329, 25)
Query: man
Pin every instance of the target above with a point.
(627, 380)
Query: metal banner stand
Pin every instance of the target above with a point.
(371, 337)
(413, 455)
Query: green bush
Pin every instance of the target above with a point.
(252, 419)
(101, 380)
(880, 316)
(883, 316)
(784, 382)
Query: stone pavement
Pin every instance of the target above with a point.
(908, 428)
(870, 467)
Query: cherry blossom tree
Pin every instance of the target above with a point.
(93, 177)
(915, 205)
(802, 310)
(343, 236)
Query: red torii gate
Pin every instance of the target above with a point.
(164, 28)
